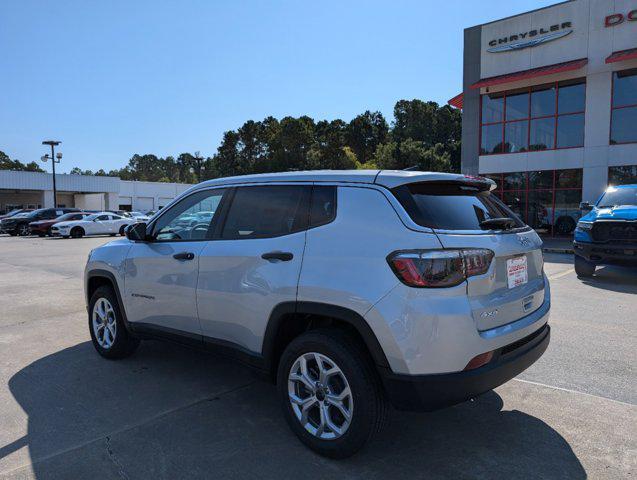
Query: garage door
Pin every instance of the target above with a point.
(145, 203)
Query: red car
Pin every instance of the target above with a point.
(43, 227)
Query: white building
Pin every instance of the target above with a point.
(35, 190)
(550, 106)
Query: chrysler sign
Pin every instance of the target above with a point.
(537, 36)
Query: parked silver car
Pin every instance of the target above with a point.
(350, 290)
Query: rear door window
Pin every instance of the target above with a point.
(267, 211)
(323, 209)
(451, 206)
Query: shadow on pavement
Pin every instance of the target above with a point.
(616, 279)
(173, 413)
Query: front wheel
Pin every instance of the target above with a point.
(77, 232)
(584, 268)
(110, 337)
(330, 392)
(24, 230)
(122, 230)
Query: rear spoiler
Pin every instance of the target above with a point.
(395, 178)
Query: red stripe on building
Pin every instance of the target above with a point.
(622, 55)
(457, 101)
(532, 73)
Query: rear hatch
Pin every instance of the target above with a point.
(465, 214)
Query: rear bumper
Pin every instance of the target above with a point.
(432, 392)
(608, 254)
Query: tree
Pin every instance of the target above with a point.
(7, 164)
(365, 132)
(412, 153)
(422, 135)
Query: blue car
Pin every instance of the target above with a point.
(607, 234)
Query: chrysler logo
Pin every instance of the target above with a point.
(518, 41)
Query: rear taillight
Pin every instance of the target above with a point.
(439, 268)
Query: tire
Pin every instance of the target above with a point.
(14, 233)
(122, 230)
(112, 234)
(77, 232)
(123, 344)
(49, 232)
(584, 268)
(565, 225)
(24, 230)
(366, 402)
(40, 234)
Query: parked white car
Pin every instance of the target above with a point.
(102, 223)
(139, 216)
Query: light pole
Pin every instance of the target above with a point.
(199, 162)
(54, 159)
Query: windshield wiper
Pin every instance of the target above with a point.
(503, 223)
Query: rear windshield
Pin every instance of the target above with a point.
(451, 206)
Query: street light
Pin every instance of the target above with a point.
(52, 157)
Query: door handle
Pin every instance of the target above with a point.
(184, 256)
(283, 256)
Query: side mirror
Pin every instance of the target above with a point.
(585, 206)
(136, 232)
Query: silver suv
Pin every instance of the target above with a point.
(350, 290)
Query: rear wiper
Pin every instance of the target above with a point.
(503, 223)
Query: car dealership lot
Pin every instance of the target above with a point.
(169, 412)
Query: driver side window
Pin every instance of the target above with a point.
(189, 219)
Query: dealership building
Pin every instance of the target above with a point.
(35, 190)
(550, 106)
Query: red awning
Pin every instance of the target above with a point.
(622, 55)
(457, 101)
(533, 73)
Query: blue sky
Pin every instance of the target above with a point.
(114, 78)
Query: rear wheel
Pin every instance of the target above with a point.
(77, 232)
(330, 392)
(122, 230)
(40, 234)
(583, 268)
(108, 332)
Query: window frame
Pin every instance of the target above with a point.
(214, 222)
(611, 167)
(529, 119)
(524, 192)
(218, 231)
(620, 107)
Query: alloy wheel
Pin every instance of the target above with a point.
(24, 230)
(104, 323)
(320, 396)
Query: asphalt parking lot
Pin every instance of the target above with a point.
(172, 413)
